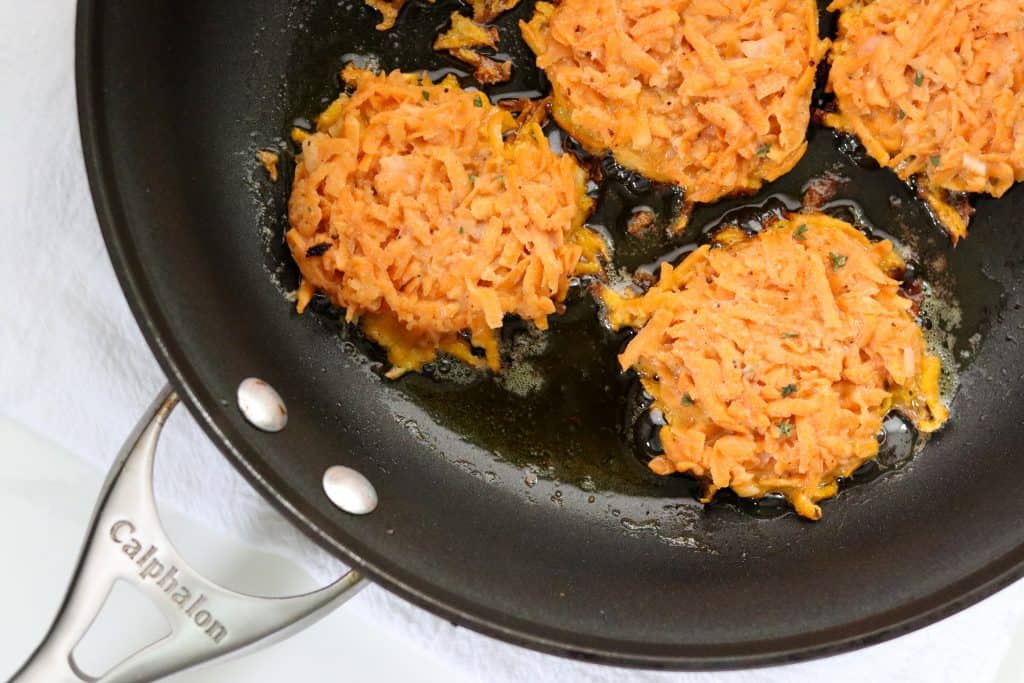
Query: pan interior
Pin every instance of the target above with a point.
(519, 506)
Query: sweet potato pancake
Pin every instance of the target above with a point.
(775, 358)
(429, 215)
(711, 95)
(934, 89)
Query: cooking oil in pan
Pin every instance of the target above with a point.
(562, 409)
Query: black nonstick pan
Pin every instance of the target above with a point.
(521, 507)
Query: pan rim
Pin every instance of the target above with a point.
(899, 620)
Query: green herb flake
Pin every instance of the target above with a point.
(788, 390)
(801, 232)
(790, 335)
(785, 428)
(918, 78)
(763, 150)
(472, 178)
(426, 95)
(688, 400)
(838, 260)
(462, 230)
(935, 159)
(901, 115)
(478, 102)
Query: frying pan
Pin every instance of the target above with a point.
(520, 509)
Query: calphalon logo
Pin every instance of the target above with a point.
(151, 569)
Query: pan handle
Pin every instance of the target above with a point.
(126, 542)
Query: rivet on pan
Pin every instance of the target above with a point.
(262, 405)
(349, 490)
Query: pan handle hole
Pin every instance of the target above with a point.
(127, 623)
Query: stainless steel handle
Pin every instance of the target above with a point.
(126, 541)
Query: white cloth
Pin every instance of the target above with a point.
(74, 367)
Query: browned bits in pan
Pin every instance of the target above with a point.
(640, 222)
(819, 191)
(389, 10)
(463, 40)
(489, 10)
(487, 71)
(466, 33)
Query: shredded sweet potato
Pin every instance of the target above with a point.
(934, 89)
(486, 71)
(466, 33)
(712, 95)
(461, 40)
(489, 10)
(484, 11)
(269, 159)
(389, 10)
(775, 358)
(428, 215)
